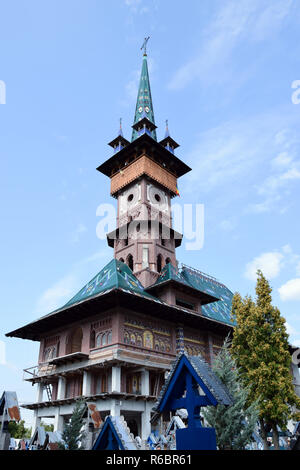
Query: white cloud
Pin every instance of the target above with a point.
(246, 20)
(294, 334)
(235, 149)
(272, 262)
(265, 206)
(98, 255)
(290, 290)
(273, 183)
(244, 150)
(268, 263)
(283, 159)
(64, 289)
(271, 18)
(57, 295)
(137, 7)
(287, 249)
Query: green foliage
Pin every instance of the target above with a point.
(47, 427)
(18, 430)
(260, 348)
(234, 424)
(73, 435)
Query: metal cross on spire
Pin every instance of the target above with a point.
(144, 45)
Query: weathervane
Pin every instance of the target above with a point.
(144, 46)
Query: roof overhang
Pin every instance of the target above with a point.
(122, 232)
(110, 299)
(144, 145)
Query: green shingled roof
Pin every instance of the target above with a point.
(219, 310)
(170, 273)
(115, 275)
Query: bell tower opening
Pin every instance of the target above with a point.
(159, 263)
(129, 261)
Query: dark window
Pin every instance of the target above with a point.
(130, 262)
(158, 263)
(92, 339)
(184, 304)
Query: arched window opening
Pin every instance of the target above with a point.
(75, 341)
(50, 353)
(159, 263)
(168, 260)
(92, 339)
(98, 341)
(130, 261)
(104, 340)
(122, 260)
(109, 338)
(132, 339)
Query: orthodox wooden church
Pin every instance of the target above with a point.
(115, 339)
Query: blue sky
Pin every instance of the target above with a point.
(220, 71)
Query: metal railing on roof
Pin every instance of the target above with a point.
(38, 371)
(201, 273)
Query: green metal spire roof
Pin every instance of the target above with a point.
(144, 106)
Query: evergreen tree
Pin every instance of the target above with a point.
(260, 347)
(234, 424)
(73, 435)
(18, 430)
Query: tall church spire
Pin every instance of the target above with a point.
(144, 106)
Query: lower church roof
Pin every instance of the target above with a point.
(117, 276)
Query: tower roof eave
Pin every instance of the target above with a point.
(144, 145)
(173, 142)
(111, 236)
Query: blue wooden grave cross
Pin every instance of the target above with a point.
(191, 384)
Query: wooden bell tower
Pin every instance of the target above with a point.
(143, 176)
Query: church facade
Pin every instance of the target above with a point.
(114, 341)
